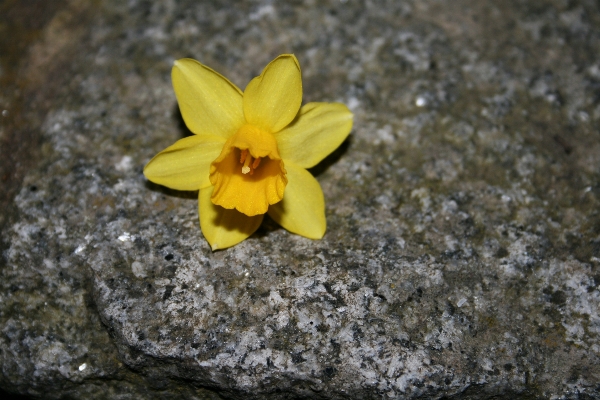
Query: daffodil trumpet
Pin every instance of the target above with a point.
(250, 150)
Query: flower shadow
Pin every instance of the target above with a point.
(182, 127)
(182, 194)
(331, 158)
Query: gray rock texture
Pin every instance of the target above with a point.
(462, 257)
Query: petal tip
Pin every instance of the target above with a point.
(321, 235)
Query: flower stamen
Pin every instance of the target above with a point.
(250, 163)
(243, 155)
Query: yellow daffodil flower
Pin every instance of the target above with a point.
(250, 150)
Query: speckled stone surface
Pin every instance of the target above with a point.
(462, 257)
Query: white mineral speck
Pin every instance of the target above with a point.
(264, 11)
(138, 269)
(583, 116)
(353, 103)
(79, 249)
(125, 237)
(420, 101)
(82, 367)
(461, 302)
(401, 242)
(385, 135)
(125, 164)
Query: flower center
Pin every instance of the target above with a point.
(250, 163)
(249, 189)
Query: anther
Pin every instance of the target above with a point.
(250, 163)
(243, 155)
(246, 167)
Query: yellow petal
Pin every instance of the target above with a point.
(209, 103)
(272, 100)
(319, 129)
(302, 210)
(249, 183)
(186, 164)
(224, 228)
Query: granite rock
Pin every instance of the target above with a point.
(462, 257)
